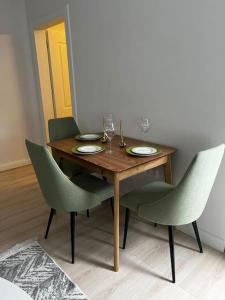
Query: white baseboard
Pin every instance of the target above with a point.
(206, 237)
(14, 164)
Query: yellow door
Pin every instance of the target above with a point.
(58, 60)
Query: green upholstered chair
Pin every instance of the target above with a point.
(60, 193)
(62, 128)
(170, 205)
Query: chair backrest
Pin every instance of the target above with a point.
(61, 128)
(186, 202)
(59, 192)
(197, 183)
(192, 193)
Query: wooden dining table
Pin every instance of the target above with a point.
(115, 167)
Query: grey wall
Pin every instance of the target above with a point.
(163, 59)
(19, 111)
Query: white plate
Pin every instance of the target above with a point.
(144, 150)
(89, 149)
(89, 136)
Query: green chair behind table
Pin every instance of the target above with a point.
(62, 128)
(60, 193)
(183, 204)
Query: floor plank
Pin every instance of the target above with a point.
(145, 264)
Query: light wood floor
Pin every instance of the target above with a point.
(145, 264)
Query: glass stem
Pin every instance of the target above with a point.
(110, 146)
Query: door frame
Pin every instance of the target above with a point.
(39, 25)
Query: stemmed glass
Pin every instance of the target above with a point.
(109, 129)
(144, 125)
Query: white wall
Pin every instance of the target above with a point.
(19, 111)
(163, 59)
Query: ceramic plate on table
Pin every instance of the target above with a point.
(143, 150)
(88, 137)
(87, 149)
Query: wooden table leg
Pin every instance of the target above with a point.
(116, 223)
(168, 170)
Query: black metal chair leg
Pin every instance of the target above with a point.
(155, 224)
(52, 213)
(61, 163)
(127, 218)
(72, 231)
(197, 236)
(112, 205)
(172, 258)
(88, 214)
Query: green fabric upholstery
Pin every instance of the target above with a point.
(60, 193)
(94, 185)
(184, 203)
(148, 193)
(62, 128)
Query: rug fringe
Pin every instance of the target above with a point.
(18, 247)
(64, 272)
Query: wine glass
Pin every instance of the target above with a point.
(107, 116)
(109, 129)
(144, 125)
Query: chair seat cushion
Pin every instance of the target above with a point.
(94, 185)
(148, 193)
(70, 169)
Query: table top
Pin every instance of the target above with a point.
(117, 161)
